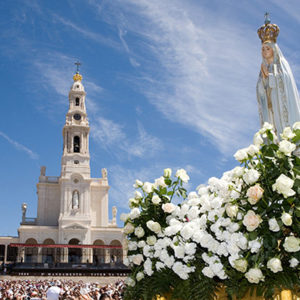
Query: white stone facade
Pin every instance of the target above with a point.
(73, 206)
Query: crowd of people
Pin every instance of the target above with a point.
(59, 289)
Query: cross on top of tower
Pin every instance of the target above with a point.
(77, 66)
(267, 18)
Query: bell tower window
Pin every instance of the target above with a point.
(77, 102)
(76, 144)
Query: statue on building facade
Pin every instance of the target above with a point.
(75, 200)
(24, 209)
(104, 173)
(43, 171)
(277, 94)
(114, 214)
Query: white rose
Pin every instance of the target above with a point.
(273, 225)
(255, 245)
(287, 133)
(135, 213)
(154, 226)
(129, 228)
(296, 126)
(132, 246)
(137, 195)
(267, 126)
(133, 202)
(141, 244)
(179, 251)
(137, 259)
(274, 264)
(139, 232)
(151, 240)
(207, 271)
(138, 184)
(160, 182)
(251, 176)
(148, 267)
(238, 171)
(291, 244)
(140, 276)
(147, 187)
(252, 150)
(126, 261)
(167, 172)
(287, 147)
(286, 219)
(254, 275)
(202, 190)
(231, 210)
(124, 217)
(168, 207)
(155, 199)
(257, 140)
(251, 220)
(241, 155)
(159, 265)
(254, 194)
(241, 265)
(129, 281)
(294, 262)
(190, 248)
(283, 185)
(181, 174)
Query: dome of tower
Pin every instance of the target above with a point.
(77, 85)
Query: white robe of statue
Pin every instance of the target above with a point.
(277, 94)
(75, 200)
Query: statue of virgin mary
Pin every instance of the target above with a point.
(277, 94)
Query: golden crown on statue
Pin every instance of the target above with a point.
(268, 32)
(77, 77)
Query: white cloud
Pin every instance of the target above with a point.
(111, 136)
(87, 33)
(107, 132)
(20, 147)
(200, 68)
(132, 60)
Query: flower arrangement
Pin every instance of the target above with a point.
(241, 231)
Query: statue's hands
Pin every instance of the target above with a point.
(264, 71)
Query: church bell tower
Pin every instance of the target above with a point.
(75, 179)
(76, 157)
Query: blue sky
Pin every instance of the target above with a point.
(169, 84)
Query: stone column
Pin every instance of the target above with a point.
(39, 255)
(5, 254)
(107, 256)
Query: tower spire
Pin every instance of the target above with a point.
(77, 76)
(77, 66)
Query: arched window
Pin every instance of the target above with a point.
(48, 254)
(74, 254)
(31, 253)
(116, 254)
(77, 101)
(76, 144)
(98, 253)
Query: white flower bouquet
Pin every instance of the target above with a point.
(241, 231)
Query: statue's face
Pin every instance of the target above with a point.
(267, 51)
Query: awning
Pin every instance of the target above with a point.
(63, 246)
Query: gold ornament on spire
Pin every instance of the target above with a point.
(268, 32)
(77, 77)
